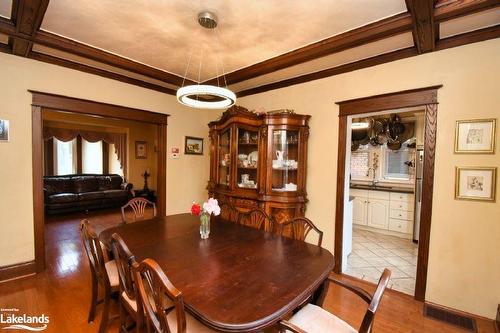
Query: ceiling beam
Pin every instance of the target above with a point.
(422, 13)
(387, 27)
(27, 16)
(458, 8)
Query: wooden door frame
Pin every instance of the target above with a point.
(45, 101)
(427, 98)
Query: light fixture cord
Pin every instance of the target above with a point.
(187, 67)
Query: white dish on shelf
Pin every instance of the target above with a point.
(253, 157)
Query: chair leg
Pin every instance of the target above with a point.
(123, 316)
(105, 311)
(93, 300)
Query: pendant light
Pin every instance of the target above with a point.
(205, 96)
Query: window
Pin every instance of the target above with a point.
(397, 164)
(65, 157)
(91, 157)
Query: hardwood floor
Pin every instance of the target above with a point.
(62, 291)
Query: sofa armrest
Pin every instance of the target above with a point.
(127, 186)
(46, 194)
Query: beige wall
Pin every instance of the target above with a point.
(136, 131)
(186, 177)
(464, 263)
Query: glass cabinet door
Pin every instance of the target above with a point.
(224, 158)
(247, 158)
(285, 154)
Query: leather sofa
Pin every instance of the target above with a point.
(73, 193)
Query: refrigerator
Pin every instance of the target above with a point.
(419, 168)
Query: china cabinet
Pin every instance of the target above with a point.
(259, 160)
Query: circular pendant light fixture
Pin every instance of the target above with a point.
(205, 96)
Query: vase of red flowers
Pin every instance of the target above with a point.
(204, 212)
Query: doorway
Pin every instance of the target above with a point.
(424, 99)
(43, 103)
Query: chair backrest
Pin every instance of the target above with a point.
(93, 248)
(154, 290)
(298, 228)
(124, 261)
(256, 218)
(138, 206)
(228, 212)
(366, 325)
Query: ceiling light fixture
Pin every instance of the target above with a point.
(362, 125)
(204, 96)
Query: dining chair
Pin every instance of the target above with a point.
(314, 319)
(298, 228)
(256, 218)
(157, 294)
(104, 274)
(138, 207)
(228, 212)
(128, 295)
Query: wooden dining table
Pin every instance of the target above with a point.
(240, 279)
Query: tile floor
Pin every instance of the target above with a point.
(372, 252)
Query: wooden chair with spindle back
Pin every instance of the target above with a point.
(298, 228)
(228, 212)
(104, 274)
(256, 218)
(138, 206)
(314, 319)
(125, 260)
(157, 294)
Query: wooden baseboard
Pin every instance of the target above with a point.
(17, 270)
(455, 314)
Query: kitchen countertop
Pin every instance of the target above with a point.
(382, 188)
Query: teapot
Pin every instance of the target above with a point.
(279, 155)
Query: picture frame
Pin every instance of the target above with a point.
(4, 130)
(475, 183)
(141, 150)
(193, 145)
(475, 136)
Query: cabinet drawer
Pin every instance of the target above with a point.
(401, 214)
(402, 205)
(400, 226)
(379, 195)
(358, 193)
(407, 197)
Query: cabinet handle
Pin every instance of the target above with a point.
(400, 215)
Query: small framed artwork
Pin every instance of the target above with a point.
(193, 146)
(141, 149)
(4, 130)
(475, 136)
(475, 183)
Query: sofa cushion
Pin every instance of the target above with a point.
(91, 195)
(115, 194)
(109, 182)
(63, 197)
(85, 184)
(58, 184)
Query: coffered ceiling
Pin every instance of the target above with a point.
(261, 44)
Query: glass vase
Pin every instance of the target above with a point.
(204, 226)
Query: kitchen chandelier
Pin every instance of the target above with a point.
(205, 96)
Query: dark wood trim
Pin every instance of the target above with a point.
(17, 270)
(469, 37)
(44, 101)
(48, 157)
(384, 28)
(454, 9)
(368, 62)
(401, 99)
(97, 71)
(105, 157)
(426, 97)
(422, 13)
(452, 314)
(79, 159)
(38, 195)
(78, 105)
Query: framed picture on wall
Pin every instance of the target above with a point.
(475, 136)
(141, 149)
(4, 130)
(193, 145)
(475, 183)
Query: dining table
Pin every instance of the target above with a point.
(240, 279)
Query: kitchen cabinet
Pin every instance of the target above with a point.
(359, 210)
(378, 213)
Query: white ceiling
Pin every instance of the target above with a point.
(5, 8)
(163, 34)
(470, 22)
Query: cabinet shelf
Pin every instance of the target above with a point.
(285, 169)
(248, 144)
(247, 168)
